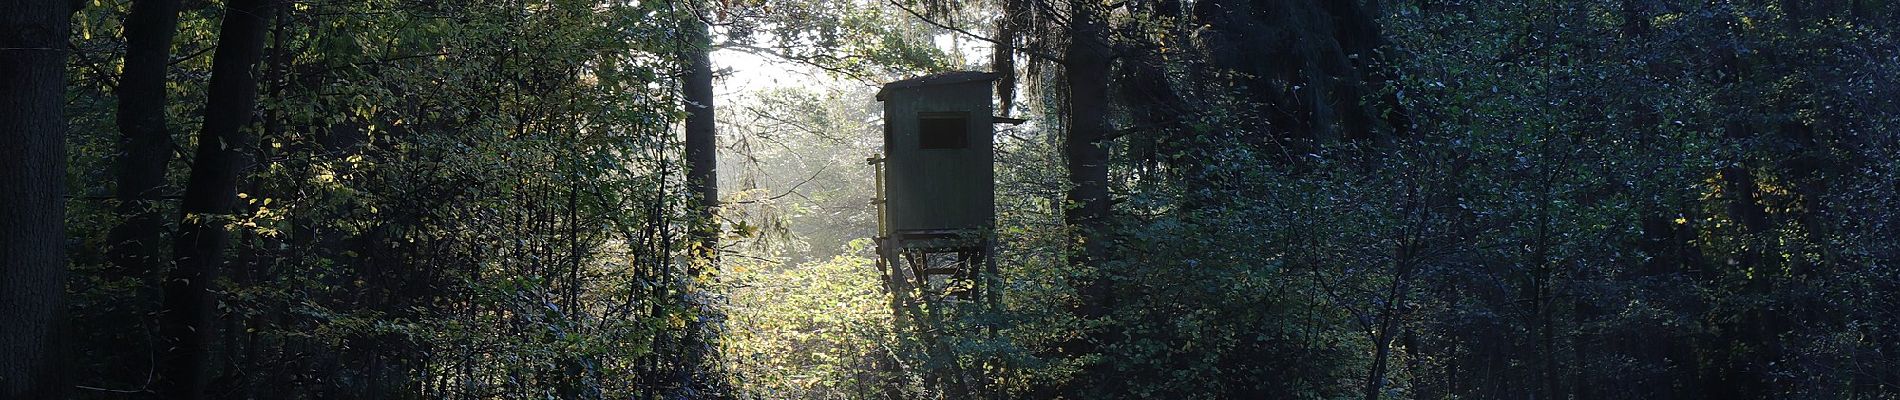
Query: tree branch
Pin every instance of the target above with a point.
(767, 52)
(1011, 46)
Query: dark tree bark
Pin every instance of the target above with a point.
(702, 179)
(32, 224)
(1003, 58)
(702, 176)
(186, 322)
(145, 143)
(1086, 67)
(1087, 71)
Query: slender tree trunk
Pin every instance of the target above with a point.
(702, 178)
(1375, 376)
(1389, 321)
(134, 247)
(32, 224)
(186, 323)
(145, 142)
(1086, 69)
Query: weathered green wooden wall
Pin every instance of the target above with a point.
(939, 189)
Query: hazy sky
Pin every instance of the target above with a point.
(746, 72)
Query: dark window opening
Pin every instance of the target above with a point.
(943, 132)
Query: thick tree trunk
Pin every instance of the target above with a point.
(145, 143)
(702, 178)
(32, 224)
(1003, 58)
(186, 323)
(1087, 73)
(1086, 68)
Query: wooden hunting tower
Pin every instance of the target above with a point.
(937, 148)
(936, 181)
(936, 207)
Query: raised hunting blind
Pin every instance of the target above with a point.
(937, 150)
(936, 184)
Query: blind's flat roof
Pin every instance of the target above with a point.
(941, 78)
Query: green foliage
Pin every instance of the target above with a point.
(818, 330)
(451, 199)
